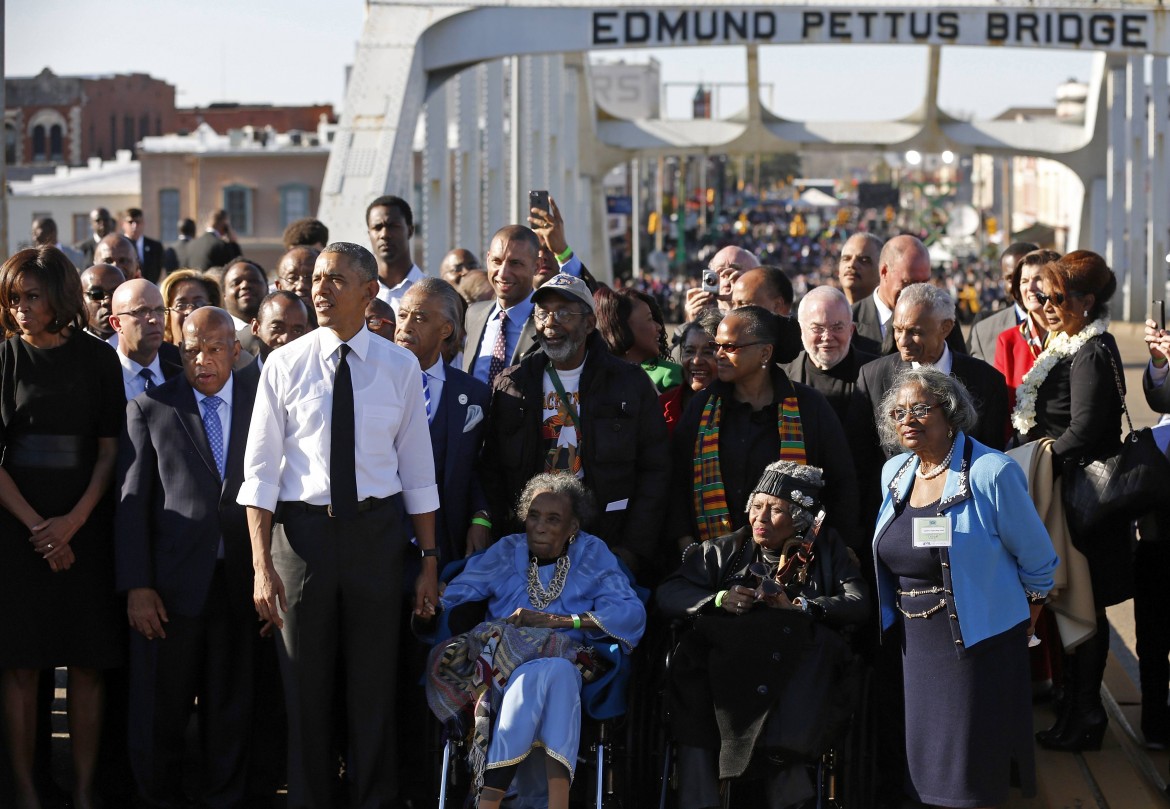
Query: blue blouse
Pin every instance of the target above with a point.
(595, 587)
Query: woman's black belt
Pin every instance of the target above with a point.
(49, 452)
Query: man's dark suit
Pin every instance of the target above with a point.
(151, 264)
(175, 256)
(869, 326)
(456, 442)
(985, 333)
(475, 321)
(985, 384)
(248, 341)
(170, 360)
(86, 248)
(208, 250)
(173, 510)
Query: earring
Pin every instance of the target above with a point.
(1085, 313)
(951, 433)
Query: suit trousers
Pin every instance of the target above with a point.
(209, 656)
(342, 580)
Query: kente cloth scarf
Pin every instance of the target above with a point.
(468, 675)
(710, 498)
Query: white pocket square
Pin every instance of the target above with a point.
(474, 417)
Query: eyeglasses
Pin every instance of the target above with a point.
(188, 308)
(768, 585)
(559, 315)
(1057, 298)
(820, 330)
(375, 323)
(731, 348)
(96, 294)
(918, 411)
(143, 312)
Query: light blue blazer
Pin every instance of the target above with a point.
(1000, 556)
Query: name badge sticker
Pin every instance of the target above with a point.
(932, 532)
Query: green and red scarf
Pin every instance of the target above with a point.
(710, 498)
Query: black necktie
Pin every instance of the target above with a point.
(342, 445)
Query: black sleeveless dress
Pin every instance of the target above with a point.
(54, 406)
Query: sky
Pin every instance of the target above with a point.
(296, 51)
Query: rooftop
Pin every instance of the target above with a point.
(110, 177)
(250, 141)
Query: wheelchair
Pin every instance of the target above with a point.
(605, 728)
(844, 775)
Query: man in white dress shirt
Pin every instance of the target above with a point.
(325, 521)
(390, 223)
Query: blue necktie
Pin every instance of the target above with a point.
(214, 430)
(147, 378)
(427, 396)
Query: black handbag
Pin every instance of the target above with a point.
(1120, 488)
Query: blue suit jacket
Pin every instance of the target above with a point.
(458, 444)
(172, 506)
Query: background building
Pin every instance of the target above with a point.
(65, 120)
(265, 180)
(69, 194)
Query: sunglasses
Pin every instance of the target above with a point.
(730, 348)
(768, 585)
(1057, 298)
(96, 294)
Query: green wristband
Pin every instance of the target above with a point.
(576, 621)
(565, 256)
(719, 598)
(481, 521)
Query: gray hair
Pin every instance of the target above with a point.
(561, 483)
(361, 259)
(802, 518)
(450, 304)
(957, 406)
(935, 300)
(829, 296)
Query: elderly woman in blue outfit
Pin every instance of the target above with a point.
(552, 577)
(963, 566)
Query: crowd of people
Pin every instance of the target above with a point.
(262, 472)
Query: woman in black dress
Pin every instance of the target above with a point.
(1073, 395)
(61, 405)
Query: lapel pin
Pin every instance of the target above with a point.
(463, 398)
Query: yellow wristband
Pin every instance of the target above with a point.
(719, 598)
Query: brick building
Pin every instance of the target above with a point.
(224, 116)
(66, 120)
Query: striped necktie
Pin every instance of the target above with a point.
(427, 396)
(500, 349)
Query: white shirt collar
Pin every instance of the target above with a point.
(884, 312)
(944, 362)
(330, 342)
(438, 370)
(225, 393)
(133, 368)
(414, 275)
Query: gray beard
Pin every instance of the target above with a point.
(565, 352)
